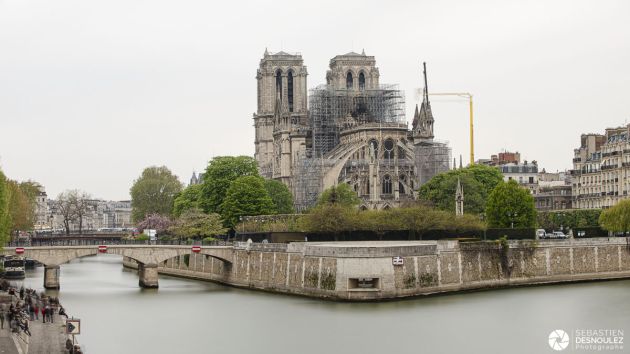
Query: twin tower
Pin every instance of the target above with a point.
(352, 131)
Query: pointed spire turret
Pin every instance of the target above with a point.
(416, 117)
(266, 52)
(423, 125)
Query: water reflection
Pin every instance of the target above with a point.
(186, 316)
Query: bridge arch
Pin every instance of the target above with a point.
(146, 256)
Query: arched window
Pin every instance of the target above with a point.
(290, 90)
(361, 81)
(401, 184)
(279, 82)
(387, 185)
(388, 145)
(349, 81)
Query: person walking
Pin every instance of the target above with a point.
(1, 318)
(43, 309)
(36, 311)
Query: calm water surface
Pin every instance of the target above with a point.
(185, 316)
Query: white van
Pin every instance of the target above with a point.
(541, 233)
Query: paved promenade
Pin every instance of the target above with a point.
(45, 338)
(7, 346)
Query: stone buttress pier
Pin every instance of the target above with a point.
(148, 274)
(51, 277)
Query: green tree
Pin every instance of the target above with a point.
(246, 196)
(477, 182)
(219, 175)
(188, 199)
(5, 217)
(280, 195)
(21, 206)
(553, 220)
(154, 192)
(196, 223)
(341, 194)
(510, 205)
(617, 218)
(330, 218)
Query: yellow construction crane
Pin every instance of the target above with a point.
(470, 100)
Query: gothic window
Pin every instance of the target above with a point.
(401, 184)
(290, 90)
(389, 149)
(361, 81)
(279, 82)
(387, 184)
(349, 83)
(373, 145)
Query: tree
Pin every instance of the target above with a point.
(21, 206)
(196, 223)
(330, 218)
(219, 175)
(5, 218)
(571, 219)
(81, 205)
(616, 218)
(341, 194)
(280, 195)
(246, 196)
(477, 182)
(154, 192)
(157, 222)
(510, 205)
(189, 198)
(65, 207)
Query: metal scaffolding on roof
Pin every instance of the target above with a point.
(329, 107)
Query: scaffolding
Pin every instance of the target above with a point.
(431, 158)
(307, 180)
(330, 107)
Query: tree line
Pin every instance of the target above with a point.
(231, 188)
(17, 206)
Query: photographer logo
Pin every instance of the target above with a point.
(558, 340)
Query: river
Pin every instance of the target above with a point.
(186, 316)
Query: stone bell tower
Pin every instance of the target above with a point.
(281, 113)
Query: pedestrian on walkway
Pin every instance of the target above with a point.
(43, 309)
(36, 311)
(2, 319)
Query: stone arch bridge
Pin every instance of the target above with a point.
(147, 256)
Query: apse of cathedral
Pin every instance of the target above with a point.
(351, 130)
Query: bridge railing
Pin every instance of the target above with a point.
(90, 242)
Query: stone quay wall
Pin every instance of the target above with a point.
(365, 271)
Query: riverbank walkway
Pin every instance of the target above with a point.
(7, 346)
(47, 338)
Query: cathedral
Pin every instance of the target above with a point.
(351, 130)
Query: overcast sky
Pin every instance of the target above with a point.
(92, 92)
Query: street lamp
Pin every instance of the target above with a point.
(512, 216)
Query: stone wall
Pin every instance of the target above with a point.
(345, 271)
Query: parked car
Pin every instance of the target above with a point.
(558, 234)
(541, 233)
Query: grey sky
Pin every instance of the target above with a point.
(91, 92)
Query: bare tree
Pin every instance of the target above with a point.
(81, 205)
(65, 208)
(73, 206)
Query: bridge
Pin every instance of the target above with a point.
(147, 256)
